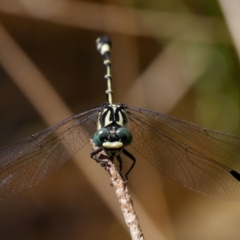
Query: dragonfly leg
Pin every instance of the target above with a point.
(119, 159)
(94, 153)
(100, 159)
(128, 154)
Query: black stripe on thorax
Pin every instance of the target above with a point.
(112, 114)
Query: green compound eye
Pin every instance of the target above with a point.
(100, 136)
(124, 135)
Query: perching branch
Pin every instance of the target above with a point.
(123, 195)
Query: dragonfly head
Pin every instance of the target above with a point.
(112, 137)
(112, 134)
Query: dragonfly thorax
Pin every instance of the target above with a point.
(112, 114)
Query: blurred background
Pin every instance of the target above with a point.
(179, 57)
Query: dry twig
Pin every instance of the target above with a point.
(123, 195)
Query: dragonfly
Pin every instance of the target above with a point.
(200, 159)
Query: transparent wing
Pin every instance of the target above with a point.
(200, 159)
(31, 160)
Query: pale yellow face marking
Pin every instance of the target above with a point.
(112, 144)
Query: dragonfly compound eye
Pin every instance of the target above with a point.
(100, 136)
(124, 135)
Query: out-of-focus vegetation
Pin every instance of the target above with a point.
(180, 57)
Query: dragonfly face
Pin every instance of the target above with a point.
(112, 135)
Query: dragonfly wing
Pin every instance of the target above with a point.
(189, 154)
(29, 161)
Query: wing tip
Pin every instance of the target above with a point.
(235, 174)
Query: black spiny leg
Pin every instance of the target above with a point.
(94, 153)
(119, 159)
(128, 154)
